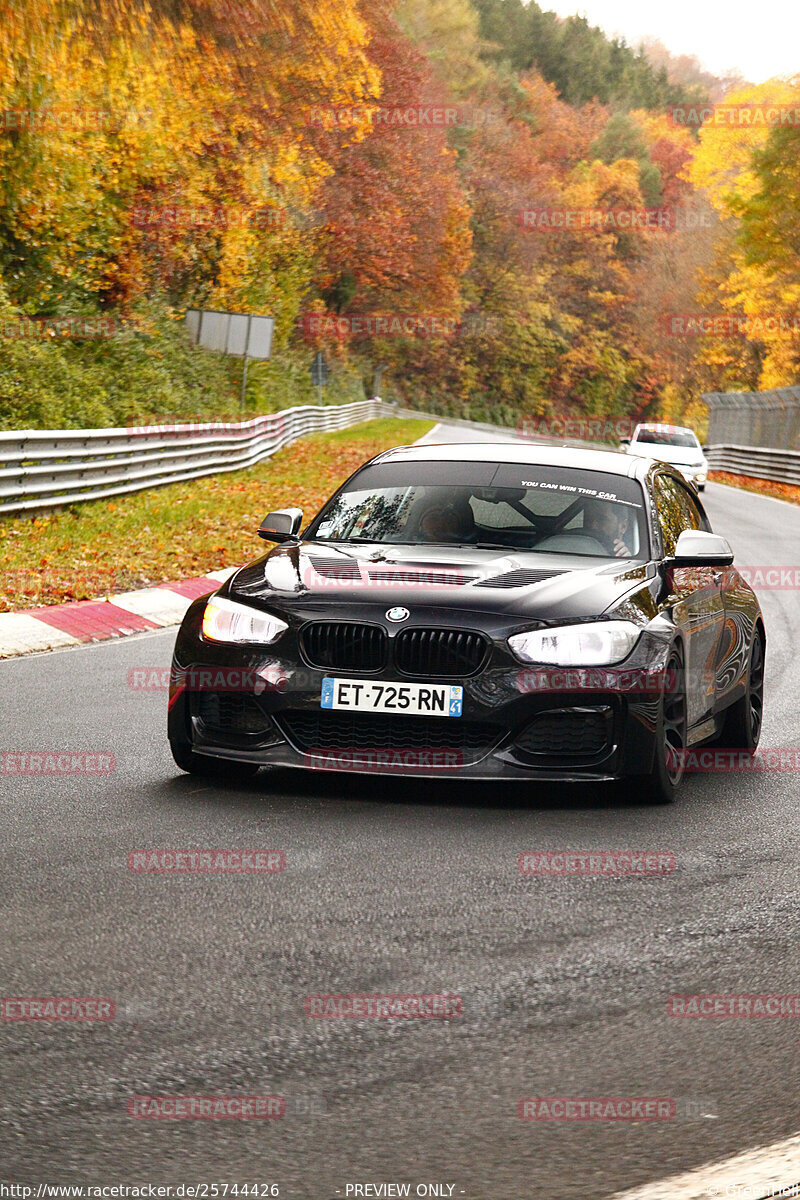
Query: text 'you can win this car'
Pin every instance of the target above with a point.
(483, 611)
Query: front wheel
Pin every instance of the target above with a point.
(203, 764)
(661, 785)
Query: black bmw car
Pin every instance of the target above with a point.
(485, 611)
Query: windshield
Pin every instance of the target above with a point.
(508, 506)
(669, 437)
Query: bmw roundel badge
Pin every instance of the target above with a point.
(397, 614)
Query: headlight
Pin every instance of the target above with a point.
(595, 644)
(227, 621)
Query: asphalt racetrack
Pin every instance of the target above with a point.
(393, 886)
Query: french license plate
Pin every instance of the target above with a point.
(410, 699)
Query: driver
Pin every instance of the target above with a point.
(447, 523)
(610, 521)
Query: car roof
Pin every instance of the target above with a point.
(611, 461)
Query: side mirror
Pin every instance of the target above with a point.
(697, 548)
(624, 441)
(283, 525)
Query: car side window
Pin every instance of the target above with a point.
(692, 511)
(677, 510)
(671, 516)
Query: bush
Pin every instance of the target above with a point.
(148, 371)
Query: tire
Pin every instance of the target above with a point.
(203, 764)
(743, 720)
(661, 785)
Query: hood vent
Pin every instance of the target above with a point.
(344, 572)
(400, 575)
(522, 577)
(335, 569)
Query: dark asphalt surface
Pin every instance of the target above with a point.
(390, 886)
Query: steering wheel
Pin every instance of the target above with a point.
(605, 539)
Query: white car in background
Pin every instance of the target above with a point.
(673, 444)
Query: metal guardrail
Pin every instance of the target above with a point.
(45, 468)
(760, 462)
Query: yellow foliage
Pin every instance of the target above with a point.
(117, 105)
(721, 165)
(721, 162)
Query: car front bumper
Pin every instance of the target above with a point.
(262, 705)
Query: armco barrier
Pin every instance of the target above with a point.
(759, 462)
(45, 468)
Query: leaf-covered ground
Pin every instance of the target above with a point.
(175, 532)
(766, 487)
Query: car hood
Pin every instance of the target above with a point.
(309, 576)
(678, 456)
